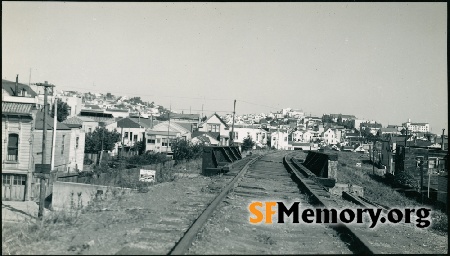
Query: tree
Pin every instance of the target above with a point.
(62, 111)
(139, 146)
(93, 141)
(327, 119)
(339, 120)
(185, 150)
(247, 144)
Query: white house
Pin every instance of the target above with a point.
(297, 136)
(329, 137)
(159, 138)
(279, 140)
(216, 124)
(259, 136)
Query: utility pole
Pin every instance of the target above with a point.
(372, 149)
(168, 128)
(232, 125)
(101, 152)
(442, 139)
(406, 138)
(44, 137)
(54, 135)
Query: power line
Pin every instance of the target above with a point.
(183, 109)
(154, 95)
(258, 104)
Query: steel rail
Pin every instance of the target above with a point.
(359, 245)
(182, 246)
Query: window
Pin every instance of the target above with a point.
(236, 137)
(213, 127)
(285, 138)
(151, 140)
(13, 147)
(19, 180)
(62, 146)
(164, 142)
(6, 179)
(158, 141)
(125, 135)
(135, 137)
(90, 129)
(77, 142)
(131, 136)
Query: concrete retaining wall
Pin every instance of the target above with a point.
(323, 165)
(69, 194)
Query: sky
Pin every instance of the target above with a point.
(378, 61)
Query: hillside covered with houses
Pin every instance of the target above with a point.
(152, 128)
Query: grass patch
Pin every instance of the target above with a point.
(377, 191)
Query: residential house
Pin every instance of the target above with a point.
(76, 147)
(73, 102)
(131, 133)
(87, 124)
(351, 138)
(216, 124)
(398, 127)
(388, 131)
(303, 145)
(307, 136)
(97, 115)
(61, 147)
(17, 92)
(192, 119)
(356, 123)
(17, 147)
(158, 139)
(297, 136)
(329, 137)
(344, 118)
(417, 127)
(279, 140)
(117, 112)
(205, 139)
(259, 136)
(370, 127)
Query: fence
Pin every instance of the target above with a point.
(110, 179)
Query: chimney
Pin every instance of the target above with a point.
(16, 91)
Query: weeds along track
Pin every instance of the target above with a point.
(389, 238)
(182, 217)
(219, 222)
(229, 231)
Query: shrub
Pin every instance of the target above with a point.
(185, 150)
(247, 144)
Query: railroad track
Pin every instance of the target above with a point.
(229, 232)
(220, 224)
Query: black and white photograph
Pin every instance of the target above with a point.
(224, 128)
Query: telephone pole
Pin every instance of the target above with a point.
(232, 125)
(168, 129)
(44, 153)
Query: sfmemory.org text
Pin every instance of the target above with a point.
(262, 212)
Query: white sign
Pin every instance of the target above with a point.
(147, 175)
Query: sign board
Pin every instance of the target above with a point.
(42, 175)
(147, 175)
(42, 168)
